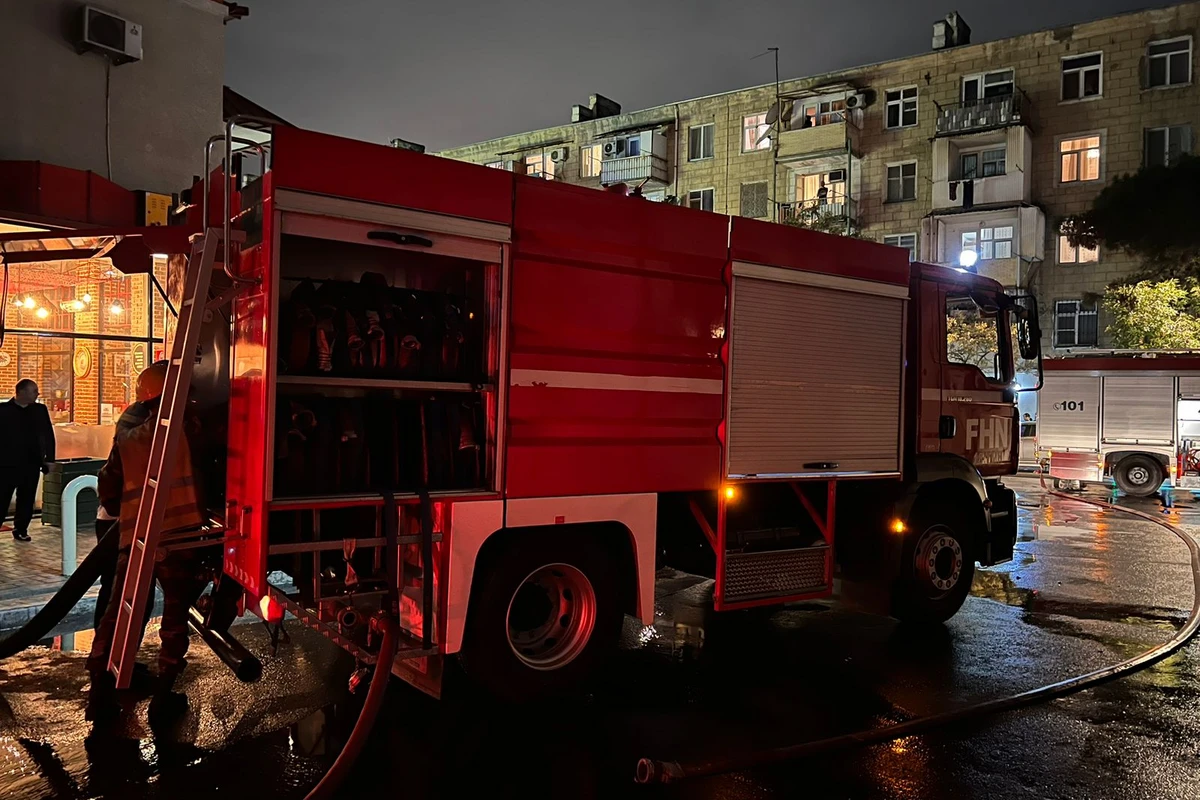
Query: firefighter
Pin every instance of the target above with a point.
(120, 487)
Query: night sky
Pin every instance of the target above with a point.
(453, 72)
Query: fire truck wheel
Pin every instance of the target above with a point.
(938, 565)
(1138, 476)
(546, 615)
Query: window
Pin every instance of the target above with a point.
(1081, 76)
(633, 146)
(1070, 254)
(701, 199)
(657, 196)
(495, 164)
(1164, 146)
(989, 243)
(906, 240)
(1075, 324)
(540, 166)
(1169, 63)
(973, 337)
(754, 133)
(820, 112)
(700, 142)
(902, 182)
(987, 85)
(754, 200)
(1079, 159)
(901, 108)
(985, 164)
(809, 187)
(589, 160)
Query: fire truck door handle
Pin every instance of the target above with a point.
(400, 238)
(822, 465)
(947, 427)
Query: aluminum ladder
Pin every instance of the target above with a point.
(156, 489)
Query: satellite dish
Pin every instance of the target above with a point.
(773, 113)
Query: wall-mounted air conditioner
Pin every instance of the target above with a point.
(614, 148)
(559, 154)
(115, 37)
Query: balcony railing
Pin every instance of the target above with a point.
(988, 112)
(814, 212)
(634, 169)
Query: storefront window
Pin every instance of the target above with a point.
(82, 331)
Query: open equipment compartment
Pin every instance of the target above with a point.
(370, 353)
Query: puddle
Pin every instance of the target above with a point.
(1001, 587)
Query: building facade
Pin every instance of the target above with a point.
(92, 143)
(984, 148)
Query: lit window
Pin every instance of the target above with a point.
(1169, 63)
(901, 108)
(820, 112)
(1164, 146)
(1080, 159)
(589, 160)
(701, 199)
(902, 182)
(1075, 324)
(754, 133)
(1070, 254)
(700, 142)
(495, 164)
(1081, 76)
(989, 243)
(539, 166)
(908, 241)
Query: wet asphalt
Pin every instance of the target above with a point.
(1086, 589)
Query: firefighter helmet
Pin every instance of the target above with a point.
(150, 381)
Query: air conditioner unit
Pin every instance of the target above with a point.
(559, 154)
(856, 100)
(115, 37)
(837, 176)
(614, 148)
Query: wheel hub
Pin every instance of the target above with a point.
(551, 616)
(1139, 475)
(939, 560)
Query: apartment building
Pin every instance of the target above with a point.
(981, 147)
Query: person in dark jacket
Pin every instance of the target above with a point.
(28, 450)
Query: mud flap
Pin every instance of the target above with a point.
(1000, 540)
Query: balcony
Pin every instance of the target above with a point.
(1012, 186)
(817, 213)
(634, 169)
(837, 133)
(983, 114)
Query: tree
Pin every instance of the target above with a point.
(1155, 315)
(1150, 214)
(970, 339)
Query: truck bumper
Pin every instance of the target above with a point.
(1002, 534)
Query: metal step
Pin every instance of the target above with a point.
(774, 573)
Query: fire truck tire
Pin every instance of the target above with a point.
(545, 617)
(1138, 476)
(938, 564)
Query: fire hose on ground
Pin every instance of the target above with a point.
(656, 771)
(64, 599)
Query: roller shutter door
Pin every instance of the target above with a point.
(815, 380)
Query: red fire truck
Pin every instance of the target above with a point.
(492, 406)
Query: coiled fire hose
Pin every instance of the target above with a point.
(86, 574)
(342, 765)
(654, 771)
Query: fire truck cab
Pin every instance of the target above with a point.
(491, 406)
